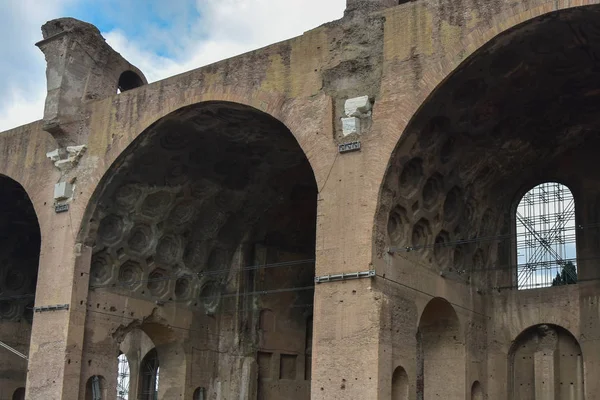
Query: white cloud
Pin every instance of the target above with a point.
(220, 29)
(23, 107)
(226, 28)
(22, 66)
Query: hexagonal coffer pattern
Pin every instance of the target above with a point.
(131, 274)
(158, 282)
(411, 176)
(398, 226)
(140, 239)
(169, 249)
(102, 269)
(111, 229)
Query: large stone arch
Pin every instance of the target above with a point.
(434, 186)
(20, 245)
(309, 121)
(183, 219)
(396, 126)
(26, 163)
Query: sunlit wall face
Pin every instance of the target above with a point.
(546, 236)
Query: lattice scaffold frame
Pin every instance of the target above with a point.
(546, 237)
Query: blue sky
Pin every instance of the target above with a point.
(162, 38)
(155, 25)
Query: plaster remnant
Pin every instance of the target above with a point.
(355, 109)
(350, 125)
(358, 107)
(66, 159)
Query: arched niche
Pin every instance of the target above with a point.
(489, 128)
(96, 388)
(546, 361)
(20, 242)
(212, 210)
(129, 80)
(400, 386)
(19, 394)
(200, 394)
(133, 349)
(441, 353)
(476, 391)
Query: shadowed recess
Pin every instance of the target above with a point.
(19, 252)
(191, 191)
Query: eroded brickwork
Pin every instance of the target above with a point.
(181, 224)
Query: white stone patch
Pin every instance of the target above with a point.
(358, 107)
(355, 109)
(350, 125)
(54, 155)
(63, 191)
(64, 160)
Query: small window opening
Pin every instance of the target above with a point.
(96, 394)
(96, 388)
(200, 394)
(546, 237)
(150, 375)
(129, 80)
(123, 378)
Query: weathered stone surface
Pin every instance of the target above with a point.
(206, 204)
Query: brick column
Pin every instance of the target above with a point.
(57, 336)
(346, 342)
(347, 314)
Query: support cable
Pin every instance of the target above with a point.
(13, 350)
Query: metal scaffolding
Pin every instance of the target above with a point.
(123, 378)
(546, 235)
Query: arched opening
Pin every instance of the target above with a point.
(546, 237)
(441, 357)
(19, 394)
(522, 109)
(546, 362)
(20, 241)
(476, 391)
(212, 210)
(129, 80)
(149, 376)
(95, 388)
(400, 384)
(135, 348)
(123, 377)
(200, 394)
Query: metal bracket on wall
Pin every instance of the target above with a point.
(51, 308)
(345, 277)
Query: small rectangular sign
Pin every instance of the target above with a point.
(59, 208)
(348, 147)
